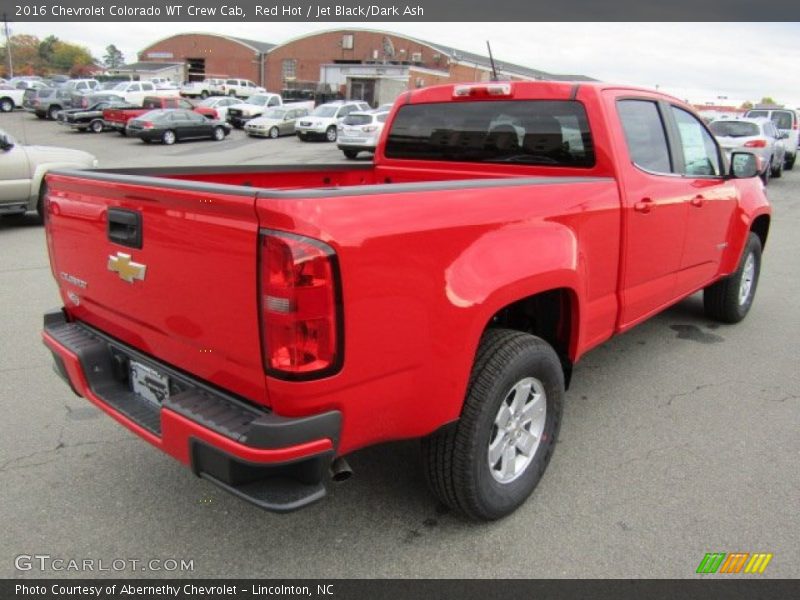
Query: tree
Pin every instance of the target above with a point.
(47, 49)
(68, 56)
(746, 105)
(767, 100)
(113, 58)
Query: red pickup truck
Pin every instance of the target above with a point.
(260, 324)
(118, 117)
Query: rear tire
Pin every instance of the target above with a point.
(168, 137)
(514, 402)
(204, 94)
(52, 112)
(6, 105)
(351, 154)
(219, 134)
(729, 299)
(766, 174)
(40, 201)
(96, 126)
(790, 158)
(778, 171)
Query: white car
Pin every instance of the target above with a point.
(219, 104)
(10, 98)
(241, 113)
(323, 122)
(134, 92)
(242, 88)
(22, 170)
(275, 122)
(203, 89)
(360, 131)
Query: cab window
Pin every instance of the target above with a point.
(645, 135)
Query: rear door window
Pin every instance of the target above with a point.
(526, 132)
(645, 135)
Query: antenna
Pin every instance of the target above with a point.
(491, 60)
(8, 48)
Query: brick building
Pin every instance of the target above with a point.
(362, 64)
(211, 55)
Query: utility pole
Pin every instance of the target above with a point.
(8, 47)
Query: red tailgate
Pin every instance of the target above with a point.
(188, 295)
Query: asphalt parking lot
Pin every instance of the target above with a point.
(679, 438)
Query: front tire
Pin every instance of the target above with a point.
(729, 299)
(330, 133)
(96, 126)
(168, 137)
(52, 112)
(766, 174)
(488, 463)
(274, 133)
(351, 154)
(6, 105)
(204, 94)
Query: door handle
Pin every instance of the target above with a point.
(643, 206)
(698, 201)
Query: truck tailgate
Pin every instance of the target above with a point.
(187, 293)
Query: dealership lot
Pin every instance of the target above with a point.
(679, 438)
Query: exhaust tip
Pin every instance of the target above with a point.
(340, 470)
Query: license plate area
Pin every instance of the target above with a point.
(148, 383)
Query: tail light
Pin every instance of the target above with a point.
(756, 144)
(301, 322)
(483, 90)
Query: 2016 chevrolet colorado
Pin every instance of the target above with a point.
(260, 324)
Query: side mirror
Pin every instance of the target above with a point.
(784, 135)
(743, 165)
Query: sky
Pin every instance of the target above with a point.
(723, 63)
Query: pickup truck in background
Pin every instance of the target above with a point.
(135, 92)
(239, 114)
(202, 89)
(117, 117)
(260, 324)
(11, 98)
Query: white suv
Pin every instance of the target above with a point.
(786, 121)
(323, 122)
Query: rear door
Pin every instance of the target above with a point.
(167, 267)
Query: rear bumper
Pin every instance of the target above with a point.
(277, 463)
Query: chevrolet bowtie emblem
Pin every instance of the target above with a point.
(127, 270)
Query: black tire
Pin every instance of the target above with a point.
(351, 154)
(204, 94)
(767, 173)
(146, 141)
(456, 460)
(790, 158)
(723, 300)
(168, 137)
(52, 112)
(274, 133)
(330, 133)
(122, 132)
(778, 170)
(39, 116)
(40, 201)
(219, 134)
(6, 105)
(96, 126)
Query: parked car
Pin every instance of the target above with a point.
(254, 106)
(202, 89)
(118, 117)
(360, 131)
(91, 118)
(241, 88)
(759, 136)
(175, 125)
(48, 102)
(134, 92)
(275, 122)
(216, 107)
(11, 98)
(787, 122)
(323, 122)
(22, 170)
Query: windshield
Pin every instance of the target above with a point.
(122, 86)
(734, 129)
(325, 111)
(258, 100)
(529, 132)
(275, 113)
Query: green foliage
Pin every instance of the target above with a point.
(113, 57)
(45, 57)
